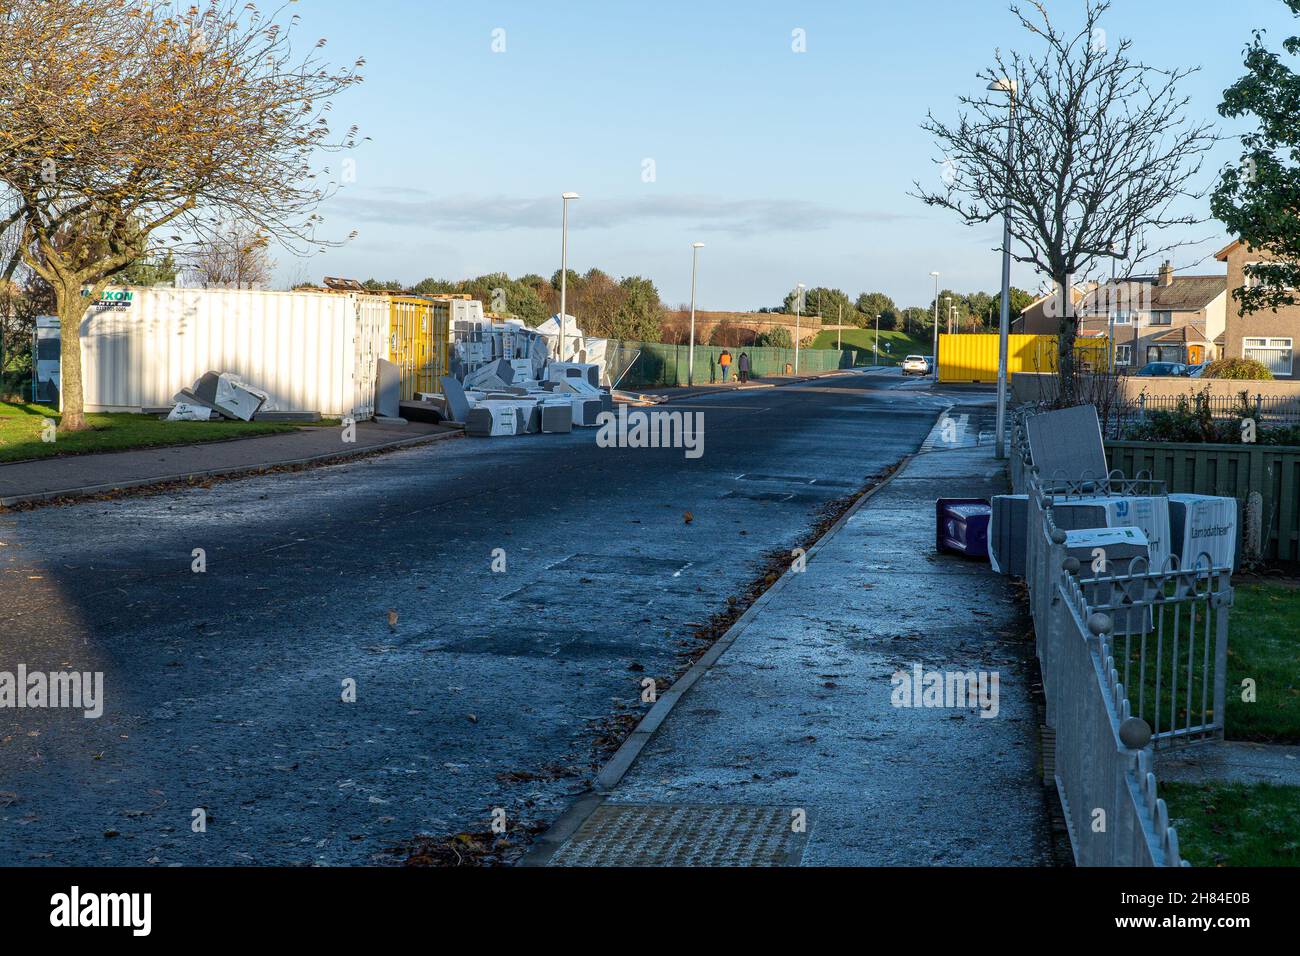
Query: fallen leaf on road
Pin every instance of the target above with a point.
(688, 517)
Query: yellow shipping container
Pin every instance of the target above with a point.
(418, 343)
(974, 358)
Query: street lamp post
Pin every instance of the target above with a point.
(876, 343)
(695, 265)
(564, 273)
(798, 310)
(1111, 295)
(935, 276)
(1005, 85)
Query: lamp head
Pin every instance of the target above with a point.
(570, 196)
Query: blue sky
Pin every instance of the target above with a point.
(791, 167)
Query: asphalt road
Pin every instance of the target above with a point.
(223, 688)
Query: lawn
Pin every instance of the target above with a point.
(22, 425)
(1235, 824)
(1264, 646)
(861, 341)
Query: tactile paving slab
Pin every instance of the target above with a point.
(660, 835)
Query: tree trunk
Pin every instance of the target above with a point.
(1067, 329)
(71, 307)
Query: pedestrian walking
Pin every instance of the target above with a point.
(742, 366)
(725, 361)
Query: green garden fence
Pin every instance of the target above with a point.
(1232, 471)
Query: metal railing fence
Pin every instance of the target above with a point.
(1133, 661)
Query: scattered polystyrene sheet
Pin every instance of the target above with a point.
(1203, 524)
(1117, 546)
(189, 412)
(388, 390)
(457, 403)
(557, 418)
(491, 420)
(586, 411)
(1148, 512)
(1067, 444)
(227, 394)
(1114, 552)
(1008, 536)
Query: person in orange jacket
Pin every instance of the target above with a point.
(725, 361)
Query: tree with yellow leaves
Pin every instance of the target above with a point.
(121, 118)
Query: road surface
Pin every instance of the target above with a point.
(223, 689)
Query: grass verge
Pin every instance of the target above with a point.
(1235, 824)
(22, 426)
(861, 342)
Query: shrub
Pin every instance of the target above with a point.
(16, 386)
(1238, 368)
(777, 337)
(1193, 422)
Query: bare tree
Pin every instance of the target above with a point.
(234, 256)
(1103, 164)
(119, 118)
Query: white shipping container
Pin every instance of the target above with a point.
(310, 351)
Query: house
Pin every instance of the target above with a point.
(1160, 318)
(1267, 336)
(1041, 317)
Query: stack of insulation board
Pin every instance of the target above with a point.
(505, 382)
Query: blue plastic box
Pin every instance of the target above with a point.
(961, 526)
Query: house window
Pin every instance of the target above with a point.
(1124, 318)
(1162, 318)
(1123, 355)
(1165, 353)
(1276, 353)
(1254, 281)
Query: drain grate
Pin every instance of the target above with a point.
(658, 835)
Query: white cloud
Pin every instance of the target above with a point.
(703, 213)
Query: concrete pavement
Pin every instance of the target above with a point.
(790, 747)
(1232, 761)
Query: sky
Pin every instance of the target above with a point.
(680, 122)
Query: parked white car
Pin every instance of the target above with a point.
(916, 365)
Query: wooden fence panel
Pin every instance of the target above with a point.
(1229, 470)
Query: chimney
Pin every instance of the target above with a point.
(1166, 273)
